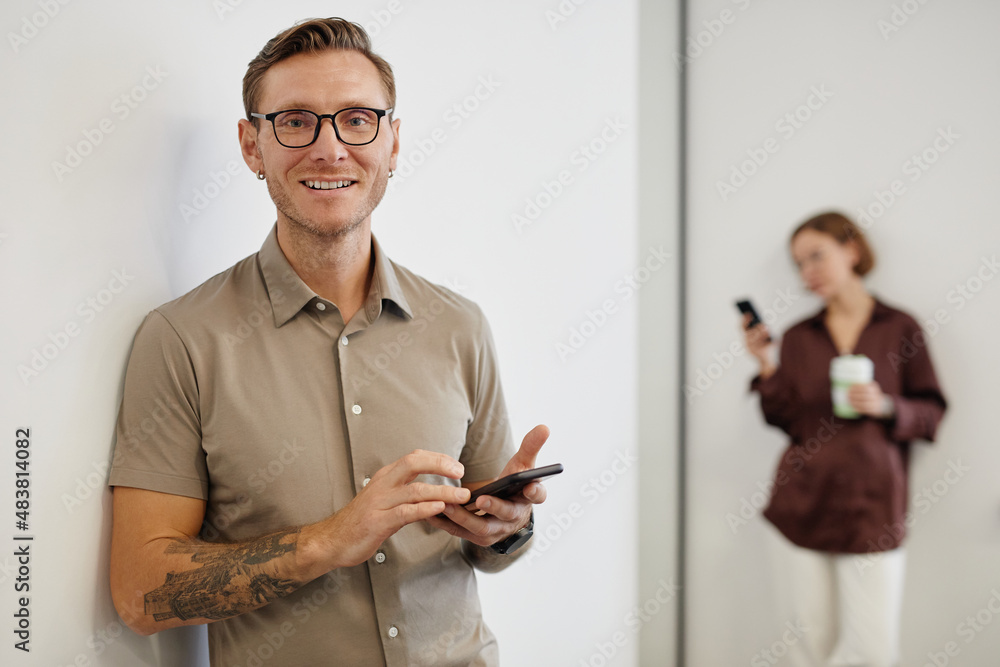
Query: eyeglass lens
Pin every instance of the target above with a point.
(296, 129)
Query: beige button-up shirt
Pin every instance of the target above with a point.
(251, 392)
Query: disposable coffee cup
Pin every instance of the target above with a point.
(847, 370)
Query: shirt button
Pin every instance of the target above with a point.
(380, 557)
(321, 306)
(365, 482)
(343, 340)
(356, 409)
(393, 631)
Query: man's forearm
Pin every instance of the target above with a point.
(232, 579)
(227, 579)
(487, 560)
(162, 576)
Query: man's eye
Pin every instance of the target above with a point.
(357, 119)
(295, 121)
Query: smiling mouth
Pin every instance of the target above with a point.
(327, 185)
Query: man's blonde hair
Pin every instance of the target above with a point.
(312, 36)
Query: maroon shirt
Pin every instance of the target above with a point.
(841, 485)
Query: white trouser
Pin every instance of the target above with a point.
(845, 607)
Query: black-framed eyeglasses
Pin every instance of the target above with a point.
(298, 128)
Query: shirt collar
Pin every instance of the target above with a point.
(879, 312)
(289, 294)
(385, 286)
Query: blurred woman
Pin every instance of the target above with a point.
(840, 493)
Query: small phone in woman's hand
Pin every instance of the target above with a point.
(747, 308)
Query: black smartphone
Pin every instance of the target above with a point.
(505, 487)
(746, 307)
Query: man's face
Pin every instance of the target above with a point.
(324, 83)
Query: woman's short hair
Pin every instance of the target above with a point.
(844, 230)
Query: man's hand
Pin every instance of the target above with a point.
(869, 399)
(390, 501)
(155, 539)
(503, 517)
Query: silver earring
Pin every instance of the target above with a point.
(260, 175)
(391, 172)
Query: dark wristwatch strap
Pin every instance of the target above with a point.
(517, 540)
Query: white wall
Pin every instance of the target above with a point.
(890, 93)
(565, 73)
(659, 334)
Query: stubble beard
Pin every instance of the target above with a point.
(283, 202)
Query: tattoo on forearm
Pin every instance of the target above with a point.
(233, 579)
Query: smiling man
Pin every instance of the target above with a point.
(297, 435)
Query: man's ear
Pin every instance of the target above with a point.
(249, 146)
(395, 144)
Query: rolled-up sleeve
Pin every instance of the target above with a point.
(778, 396)
(919, 409)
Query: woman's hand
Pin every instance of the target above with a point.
(869, 399)
(760, 345)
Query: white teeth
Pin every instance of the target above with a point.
(327, 185)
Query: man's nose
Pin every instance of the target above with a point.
(327, 141)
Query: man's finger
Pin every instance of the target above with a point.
(447, 525)
(407, 514)
(505, 510)
(420, 462)
(530, 446)
(509, 509)
(419, 492)
(535, 493)
(475, 525)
